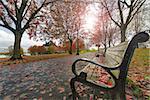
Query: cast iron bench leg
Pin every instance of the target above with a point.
(72, 84)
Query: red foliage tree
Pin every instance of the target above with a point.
(20, 16)
(37, 50)
(66, 18)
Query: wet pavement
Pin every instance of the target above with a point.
(43, 80)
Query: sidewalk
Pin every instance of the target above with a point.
(43, 80)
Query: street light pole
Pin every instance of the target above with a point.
(77, 45)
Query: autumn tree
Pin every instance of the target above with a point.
(105, 30)
(81, 45)
(64, 15)
(20, 16)
(123, 12)
(32, 50)
(37, 50)
(79, 10)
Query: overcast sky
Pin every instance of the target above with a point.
(7, 39)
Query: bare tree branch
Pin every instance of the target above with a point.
(3, 25)
(33, 14)
(120, 12)
(137, 9)
(134, 4)
(106, 7)
(23, 6)
(16, 7)
(4, 21)
(26, 9)
(125, 2)
(8, 11)
(6, 25)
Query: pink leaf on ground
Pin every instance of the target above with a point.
(61, 89)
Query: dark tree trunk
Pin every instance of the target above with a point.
(123, 36)
(109, 43)
(16, 53)
(77, 46)
(105, 45)
(123, 33)
(70, 46)
(105, 49)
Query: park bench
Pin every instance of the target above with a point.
(93, 74)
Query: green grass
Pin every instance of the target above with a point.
(86, 51)
(139, 69)
(141, 57)
(137, 92)
(141, 61)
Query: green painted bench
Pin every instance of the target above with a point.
(104, 77)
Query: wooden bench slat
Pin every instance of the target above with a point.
(114, 55)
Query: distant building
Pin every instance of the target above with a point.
(53, 47)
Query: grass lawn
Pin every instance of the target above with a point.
(141, 57)
(141, 60)
(26, 59)
(139, 70)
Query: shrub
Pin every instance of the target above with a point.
(33, 50)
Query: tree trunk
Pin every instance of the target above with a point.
(123, 34)
(105, 49)
(109, 43)
(77, 46)
(17, 47)
(70, 46)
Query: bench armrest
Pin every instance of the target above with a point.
(106, 68)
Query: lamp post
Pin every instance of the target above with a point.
(77, 44)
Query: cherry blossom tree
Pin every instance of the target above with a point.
(65, 16)
(61, 15)
(105, 31)
(20, 16)
(79, 10)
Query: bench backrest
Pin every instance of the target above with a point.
(114, 55)
(138, 38)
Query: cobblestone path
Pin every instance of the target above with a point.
(43, 80)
